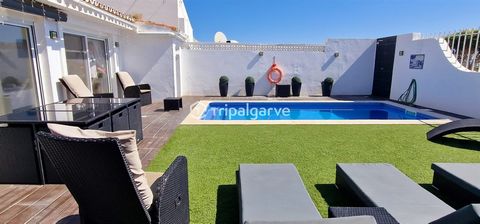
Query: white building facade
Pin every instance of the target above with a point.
(42, 41)
(96, 40)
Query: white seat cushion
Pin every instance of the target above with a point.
(76, 85)
(152, 177)
(128, 145)
(125, 79)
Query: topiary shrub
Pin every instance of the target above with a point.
(249, 80)
(296, 79)
(328, 80)
(223, 80)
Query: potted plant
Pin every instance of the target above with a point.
(223, 85)
(327, 85)
(249, 85)
(296, 86)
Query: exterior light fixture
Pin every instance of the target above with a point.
(117, 44)
(53, 35)
(260, 53)
(400, 53)
(336, 54)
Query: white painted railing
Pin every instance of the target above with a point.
(253, 47)
(464, 46)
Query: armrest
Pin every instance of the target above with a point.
(103, 95)
(144, 86)
(172, 189)
(132, 92)
(350, 220)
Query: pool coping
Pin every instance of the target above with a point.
(197, 109)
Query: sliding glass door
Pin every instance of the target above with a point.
(76, 53)
(87, 58)
(98, 65)
(18, 87)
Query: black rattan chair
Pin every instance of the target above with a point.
(132, 90)
(97, 175)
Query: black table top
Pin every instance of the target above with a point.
(127, 101)
(74, 112)
(36, 116)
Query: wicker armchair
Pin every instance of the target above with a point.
(96, 173)
(132, 90)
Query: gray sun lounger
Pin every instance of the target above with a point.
(461, 180)
(275, 193)
(454, 127)
(383, 185)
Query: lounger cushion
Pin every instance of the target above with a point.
(128, 145)
(125, 79)
(467, 215)
(152, 177)
(465, 175)
(274, 193)
(383, 185)
(77, 86)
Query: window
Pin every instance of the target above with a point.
(18, 88)
(87, 58)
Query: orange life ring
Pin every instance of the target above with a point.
(272, 70)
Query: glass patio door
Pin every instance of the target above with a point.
(87, 58)
(18, 87)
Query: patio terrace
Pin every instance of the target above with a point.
(214, 153)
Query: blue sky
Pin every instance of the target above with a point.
(314, 21)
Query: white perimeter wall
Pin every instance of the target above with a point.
(352, 70)
(149, 59)
(440, 84)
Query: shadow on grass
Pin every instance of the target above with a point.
(464, 142)
(455, 201)
(336, 197)
(227, 204)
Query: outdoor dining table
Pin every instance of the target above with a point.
(21, 158)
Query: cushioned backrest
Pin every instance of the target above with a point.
(76, 86)
(128, 143)
(96, 173)
(125, 79)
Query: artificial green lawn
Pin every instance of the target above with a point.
(214, 153)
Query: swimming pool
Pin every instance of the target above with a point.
(309, 111)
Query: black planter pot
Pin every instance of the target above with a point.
(296, 88)
(249, 87)
(223, 89)
(326, 88)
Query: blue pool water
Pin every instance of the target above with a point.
(308, 111)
